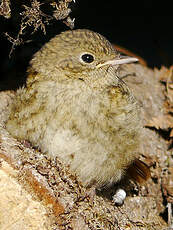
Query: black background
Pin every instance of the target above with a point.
(146, 33)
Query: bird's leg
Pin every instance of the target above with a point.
(26, 143)
(90, 193)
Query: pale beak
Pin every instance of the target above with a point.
(121, 60)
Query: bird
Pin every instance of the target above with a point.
(76, 107)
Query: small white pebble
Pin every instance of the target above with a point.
(119, 196)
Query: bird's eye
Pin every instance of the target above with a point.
(87, 58)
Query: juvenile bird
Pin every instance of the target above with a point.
(76, 107)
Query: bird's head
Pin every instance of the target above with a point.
(78, 55)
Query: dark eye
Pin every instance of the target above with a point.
(87, 58)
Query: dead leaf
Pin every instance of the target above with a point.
(171, 133)
(167, 185)
(165, 73)
(167, 77)
(164, 122)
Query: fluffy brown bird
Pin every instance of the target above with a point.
(75, 106)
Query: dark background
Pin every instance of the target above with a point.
(144, 34)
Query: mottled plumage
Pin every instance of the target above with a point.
(77, 108)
